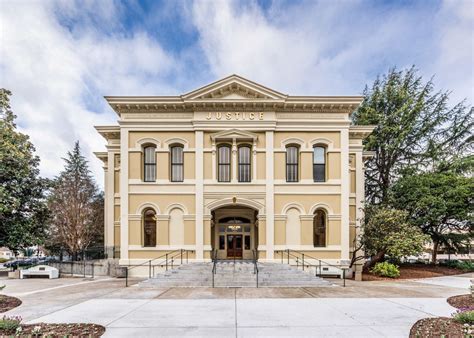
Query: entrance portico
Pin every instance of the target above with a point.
(234, 232)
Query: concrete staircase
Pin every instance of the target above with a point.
(238, 274)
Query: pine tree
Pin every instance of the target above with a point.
(76, 206)
(23, 211)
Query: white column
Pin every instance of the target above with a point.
(345, 188)
(199, 135)
(123, 193)
(110, 200)
(233, 162)
(269, 194)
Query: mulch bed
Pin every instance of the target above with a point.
(462, 302)
(436, 328)
(8, 303)
(59, 330)
(413, 271)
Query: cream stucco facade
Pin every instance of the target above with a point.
(232, 206)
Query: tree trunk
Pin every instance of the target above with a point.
(374, 260)
(435, 252)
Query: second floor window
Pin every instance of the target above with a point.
(177, 164)
(244, 164)
(223, 158)
(319, 164)
(149, 164)
(292, 164)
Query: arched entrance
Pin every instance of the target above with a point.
(234, 232)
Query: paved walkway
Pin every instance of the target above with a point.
(362, 309)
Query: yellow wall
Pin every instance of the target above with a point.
(162, 201)
(161, 136)
(334, 201)
(307, 137)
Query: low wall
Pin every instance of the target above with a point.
(102, 267)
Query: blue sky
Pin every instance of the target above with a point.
(59, 58)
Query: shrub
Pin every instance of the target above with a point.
(467, 266)
(464, 316)
(10, 323)
(3, 260)
(386, 269)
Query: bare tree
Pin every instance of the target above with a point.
(75, 204)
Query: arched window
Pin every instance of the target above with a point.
(292, 163)
(149, 164)
(319, 228)
(149, 227)
(177, 163)
(319, 164)
(244, 164)
(223, 170)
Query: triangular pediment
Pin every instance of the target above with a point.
(234, 134)
(234, 87)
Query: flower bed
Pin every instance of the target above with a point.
(439, 327)
(414, 271)
(7, 303)
(462, 302)
(50, 330)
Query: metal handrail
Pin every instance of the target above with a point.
(169, 256)
(303, 263)
(214, 264)
(255, 264)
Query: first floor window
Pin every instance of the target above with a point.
(149, 228)
(149, 164)
(177, 164)
(292, 164)
(223, 158)
(319, 228)
(244, 164)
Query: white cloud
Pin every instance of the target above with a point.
(60, 58)
(57, 74)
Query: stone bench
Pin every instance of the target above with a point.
(40, 271)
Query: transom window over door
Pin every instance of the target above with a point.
(149, 164)
(292, 164)
(223, 170)
(244, 164)
(319, 164)
(319, 228)
(177, 164)
(149, 228)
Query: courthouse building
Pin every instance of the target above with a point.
(233, 166)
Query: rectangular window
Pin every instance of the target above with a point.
(221, 242)
(244, 164)
(149, 164)
(177, 164)
(247, 243)
(292, 164)
(223, 174)
(319, 164)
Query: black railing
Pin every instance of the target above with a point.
(167, 261)
(255, 265)
(214, 264)
(299, 258)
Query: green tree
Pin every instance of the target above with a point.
(76, 206)
(23, 211)
(440, 204)
(415, 128)
(386, 232)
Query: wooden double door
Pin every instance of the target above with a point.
(234, 246)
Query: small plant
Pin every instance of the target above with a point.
(10, 323)
(386, 269)
(2, 287)
(464, 316)
(36, 330)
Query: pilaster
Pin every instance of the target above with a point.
(269, 196)
(124, 193)
(199, 198)
(345, 189)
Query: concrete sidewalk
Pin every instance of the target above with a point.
(315, 317)
(362, 309)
